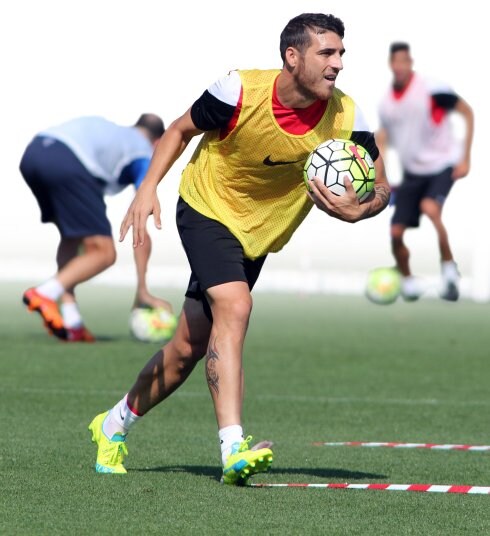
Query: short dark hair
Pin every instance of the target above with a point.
(153, 124)
(399, 46)
(296, 33)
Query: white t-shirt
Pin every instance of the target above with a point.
(418, 126)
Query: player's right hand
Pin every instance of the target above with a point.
(144, 203)
(344, 207)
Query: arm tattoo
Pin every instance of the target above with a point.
(212, 376)
(379, 203)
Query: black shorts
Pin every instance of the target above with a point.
(67, 194)
(214, 254)
(415, 188)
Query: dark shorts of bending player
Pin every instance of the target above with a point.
(214, 254)
(415, 188)
(67, 194)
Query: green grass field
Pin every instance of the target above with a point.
(317, 369)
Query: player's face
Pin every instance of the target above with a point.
(401, 65)
(319, 66)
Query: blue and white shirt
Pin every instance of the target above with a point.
(117, 155)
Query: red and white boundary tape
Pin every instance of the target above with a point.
(433, 446)
(473, 490)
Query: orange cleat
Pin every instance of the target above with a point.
(81, 334)
(48, 309)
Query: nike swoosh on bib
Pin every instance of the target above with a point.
(268, 162)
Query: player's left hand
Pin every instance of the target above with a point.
(145, 298)
(144, 204)
(344, 207)
(461, 170)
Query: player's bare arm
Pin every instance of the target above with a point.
(143, 296)
(380, 196)
(463, 167)
(381, 137)
(145, 202)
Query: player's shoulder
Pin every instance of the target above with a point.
(360, 122)
(227, 88)
(93, 119)
(344, 98)
(435, 85)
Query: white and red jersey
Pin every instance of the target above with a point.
(416, 120)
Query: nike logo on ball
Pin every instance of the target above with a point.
(268, 162)
(359, 158)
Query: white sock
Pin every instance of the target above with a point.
(52, 289)
(449, 270)
(131, 416)
(228, 436)
(71, 315)
(120, 419)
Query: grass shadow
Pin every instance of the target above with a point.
(112, 338)
(213, 472)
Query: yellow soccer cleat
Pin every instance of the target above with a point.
(111, 452)
(244, 462)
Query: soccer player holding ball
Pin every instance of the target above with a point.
(241, 197)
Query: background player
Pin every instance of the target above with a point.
(69, 168)
(414, 115)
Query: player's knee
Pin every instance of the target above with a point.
(397, 232)
(103, 247)
(431, 209)
(108, 255)
(240, 308)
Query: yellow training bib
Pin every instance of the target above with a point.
(251, 181)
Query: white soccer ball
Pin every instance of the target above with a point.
(152, 325)
(335, 159)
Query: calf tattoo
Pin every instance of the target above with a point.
(212, 376)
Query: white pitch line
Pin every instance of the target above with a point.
(427, 488)
(398, 445)
(270, 397)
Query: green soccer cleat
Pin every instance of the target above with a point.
(244, 462)
(111, 452)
